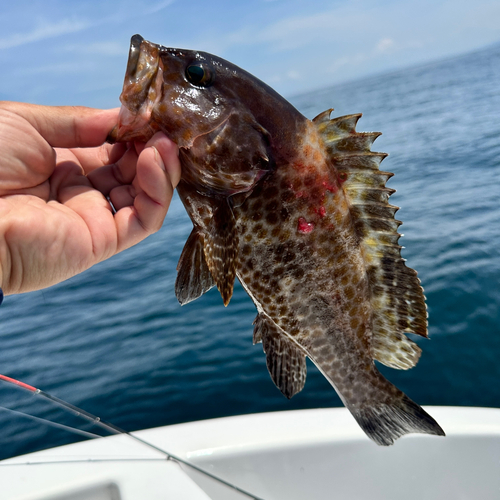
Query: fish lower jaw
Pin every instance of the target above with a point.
(138, 125)
(134, 126)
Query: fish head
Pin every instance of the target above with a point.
(221, 117)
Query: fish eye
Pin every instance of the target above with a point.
(200, 74)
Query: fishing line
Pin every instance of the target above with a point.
(116, 430)
(53, 424)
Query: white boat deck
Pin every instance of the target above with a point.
(309, 454)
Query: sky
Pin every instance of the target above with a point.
(74, 53)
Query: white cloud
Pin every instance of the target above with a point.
(97, 48)
(385, 44)
(63, 68)
(159, 6)
(43, 31)
(355, 38)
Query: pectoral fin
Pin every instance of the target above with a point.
(221, 249)
(193, 275)
(286, 362)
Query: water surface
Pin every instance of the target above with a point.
(115, 341)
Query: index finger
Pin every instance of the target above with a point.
(67, 126)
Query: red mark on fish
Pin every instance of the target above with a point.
(321, 211)
(304, 227)
(342, 177)
(330, 187)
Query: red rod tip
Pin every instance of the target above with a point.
(17, 382)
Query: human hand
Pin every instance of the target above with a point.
(55, 175)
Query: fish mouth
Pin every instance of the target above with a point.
(133, 55)
(142, 90)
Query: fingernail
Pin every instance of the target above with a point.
(158, 158)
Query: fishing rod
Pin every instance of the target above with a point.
(114, 430)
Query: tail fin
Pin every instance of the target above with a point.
(386, 422)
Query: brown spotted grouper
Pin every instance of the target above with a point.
(298, 211)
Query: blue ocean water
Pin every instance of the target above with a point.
(115, 341)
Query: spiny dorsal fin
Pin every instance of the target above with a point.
(285, 361)
(396, 295)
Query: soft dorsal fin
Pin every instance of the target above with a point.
(396, 295)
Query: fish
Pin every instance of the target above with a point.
(297, 210)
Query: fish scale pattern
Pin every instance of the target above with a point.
(396, 295)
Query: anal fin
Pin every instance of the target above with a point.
(285, 361)
(395, 349)
(193, 275)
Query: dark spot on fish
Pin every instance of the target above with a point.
(323, 237)
(276, 231)
(272, 218)
(278, 271)
(284, 214)
(285, 184)
(296, 183)
(284, 236)
(288, 257)
(270, 192)
(316, 193)
(246, 250)
(257, 205)
(272, 206)
(280, 299)
(287, 196)
(257, 216)
(298, 273)
(354, 311)
(324, 252)
(262, 233)
(344, 280)
(310, 180)
(282, 310)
